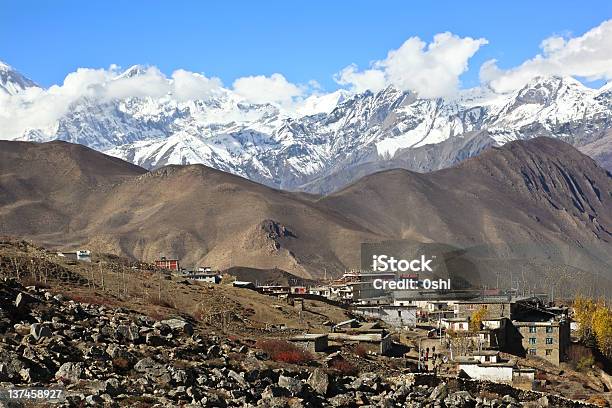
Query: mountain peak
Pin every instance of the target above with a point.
(553, 82)
(543, 90)
(133, 71)
(12, 81)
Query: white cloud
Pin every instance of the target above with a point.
(431, 70)
(588, 56)
(360, 81)
(191, 85)
(37, 108)
(150, 83)
(263, 89)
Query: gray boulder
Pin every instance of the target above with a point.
(154, 370)
(39, 331)
(319, 381)
(71, 372)
(238, 378)
(460, 399)
(341, 400)
(439, 393)
(130, 332)
(294, 385)
(23, 299)
(154, 340)
(179, 325)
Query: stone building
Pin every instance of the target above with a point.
(396, 316)
(496, 307)
(549, 340)
(312, 342)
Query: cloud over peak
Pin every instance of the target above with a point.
(587, 56)
(263, 89)
(431, 70)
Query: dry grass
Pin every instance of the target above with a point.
(163, 301)
(343, 367)
(360, 351)
(598, 400)
(90, 298)
(284, 351)
(110, 282)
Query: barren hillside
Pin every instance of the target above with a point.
(537, 205)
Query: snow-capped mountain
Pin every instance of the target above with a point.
(12, 82)
(323, 134)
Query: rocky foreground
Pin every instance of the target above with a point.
(104, 356)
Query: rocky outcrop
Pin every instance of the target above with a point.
(104, 356)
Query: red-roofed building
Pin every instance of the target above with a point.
(170, 264)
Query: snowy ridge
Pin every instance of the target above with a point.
(286, 149)
(12, 82)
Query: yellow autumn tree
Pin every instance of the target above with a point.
(476, 319)
(602, 329)
(584, 308)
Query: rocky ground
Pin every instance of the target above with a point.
(104, 356)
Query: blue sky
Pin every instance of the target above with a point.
(302, 40)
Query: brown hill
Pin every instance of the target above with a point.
(196, 213)
(540, 205)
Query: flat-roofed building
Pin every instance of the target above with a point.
(324, 291)
(494, 333)
(379, 343)
(458, 324)
(500, 371)
(400, 317)
(312, 342)
(496, 307)
(549, 340)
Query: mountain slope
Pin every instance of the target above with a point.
(64, 195)
(539, 205)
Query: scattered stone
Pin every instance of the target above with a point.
(238, 378)
(155, 340)
(439, 393)
(179, 325)
(94, 400)
(39, 330)
(109, 356)
(22, 300)
(460, 399)
(70, 372)
(130, 333)
(319, 381)
(22, 329)
(294, 385)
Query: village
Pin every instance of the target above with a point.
(491, 334)
(327, 336)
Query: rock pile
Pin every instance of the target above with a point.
(107, 356)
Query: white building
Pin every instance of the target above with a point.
(397, 316)
(324, 291)
(209, 277)
(501, 372)
(459, 324)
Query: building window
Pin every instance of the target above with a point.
(549, 352)
(549, 329)
(532, 352)
(549, 340)
(532, 340)
(532, 329)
